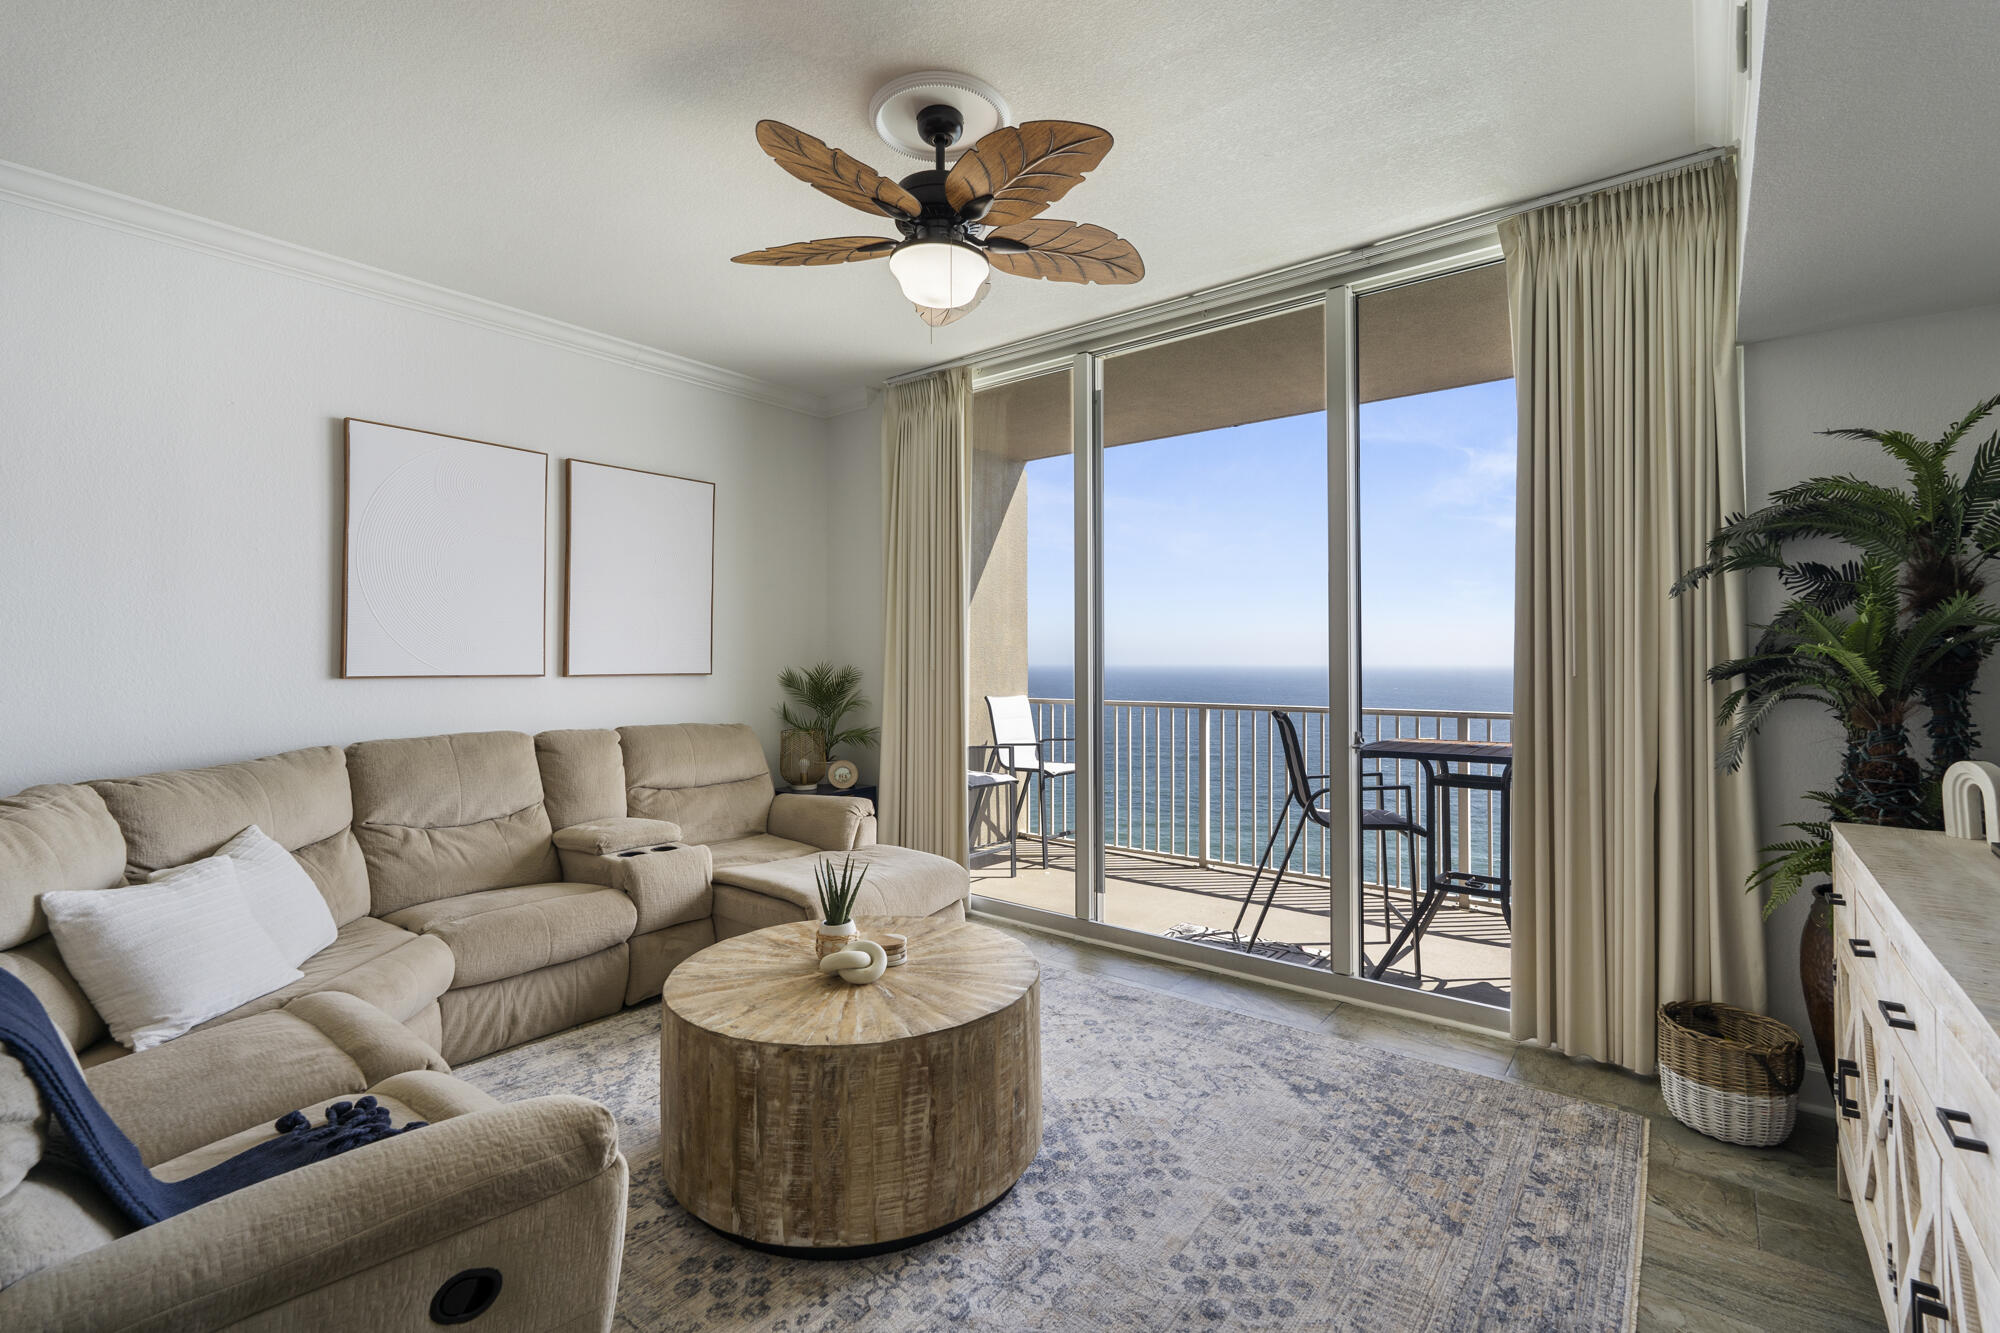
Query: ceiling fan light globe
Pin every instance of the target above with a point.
(939, 274)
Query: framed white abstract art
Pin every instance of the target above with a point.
(639, 558)
(446, 567)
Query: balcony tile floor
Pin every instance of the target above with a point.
(1464, 951)
(1736, 1239)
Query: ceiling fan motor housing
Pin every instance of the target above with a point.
(940, 125)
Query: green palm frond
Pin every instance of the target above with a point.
(819, 699)
(1828, 587)
(1963, 426)
(1787, 865)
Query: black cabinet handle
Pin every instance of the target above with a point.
(1924, 1304)
(1948, 1118)
(1895, 1014)
(1861, 948)
(1842, 1071)
(1836, 900)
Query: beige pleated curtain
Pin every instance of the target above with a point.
(1630, 850)
(925, 431)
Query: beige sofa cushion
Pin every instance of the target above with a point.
(54, 837)
(900, 882)
(39, 965)
(504, 932)
(758, 849)
(198, 1088)
(424, 1094)
(397, 971)
(55, 1215)
(23, 1123)
(439, 816)
(491, 1017)
(583, 775)
(712, 780)
(300, 800)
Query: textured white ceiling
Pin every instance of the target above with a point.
(595, 162)
(1875, 189)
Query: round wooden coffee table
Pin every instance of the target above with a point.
(804, 1115)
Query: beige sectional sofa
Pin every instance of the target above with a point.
(488, 889)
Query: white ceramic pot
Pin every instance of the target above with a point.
(832, 938)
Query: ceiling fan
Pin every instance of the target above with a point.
(957, 225)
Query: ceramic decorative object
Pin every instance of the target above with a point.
(1972, 800)
(832, 939)
(801, 759)
(897, 947)
(858, 966)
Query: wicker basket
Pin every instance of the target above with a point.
(1731, 1074)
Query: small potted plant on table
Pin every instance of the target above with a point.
(838, 889)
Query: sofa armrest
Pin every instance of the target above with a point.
(604, 837)
(668, 885)
(830, 823)
(209, 1084)
(535, 1189)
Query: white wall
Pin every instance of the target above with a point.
(1919, 374)
(170, 504)
(854, 607)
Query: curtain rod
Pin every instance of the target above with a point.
(1325, 266)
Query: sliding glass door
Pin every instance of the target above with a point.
(1214, 543)
(1021, 637)
(1434, 490)
(1212, 564)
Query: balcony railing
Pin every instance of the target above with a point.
(1203, 782)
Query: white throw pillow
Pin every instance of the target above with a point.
(281, 895)
(159, 957)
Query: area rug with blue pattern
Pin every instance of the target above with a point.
(1199, 1170)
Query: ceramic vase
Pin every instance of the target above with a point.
(832, 939)
(1816, 974)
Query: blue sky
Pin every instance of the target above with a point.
(1215, 543)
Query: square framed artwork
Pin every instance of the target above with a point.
(445, 562)
(639, 573)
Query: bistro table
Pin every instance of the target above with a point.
(1436, 757)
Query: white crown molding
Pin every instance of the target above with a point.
(71, 198)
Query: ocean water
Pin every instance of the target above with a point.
(1450, 689)
(1154, 752)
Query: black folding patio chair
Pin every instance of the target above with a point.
(1392, 815)
(1384, 817)
(1300, 792)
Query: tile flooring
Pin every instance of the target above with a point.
(1737, 1239)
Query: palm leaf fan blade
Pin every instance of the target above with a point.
(834, 173)
(1024, 169)
(833, 250)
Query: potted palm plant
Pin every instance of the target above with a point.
(1867, 665)
(1856, 655)
(1939, 535)
(817, 701)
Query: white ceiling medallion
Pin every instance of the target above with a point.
(894, 110)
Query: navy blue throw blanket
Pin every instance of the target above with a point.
(113, 1161)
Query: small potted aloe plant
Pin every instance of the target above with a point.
(838, 889)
